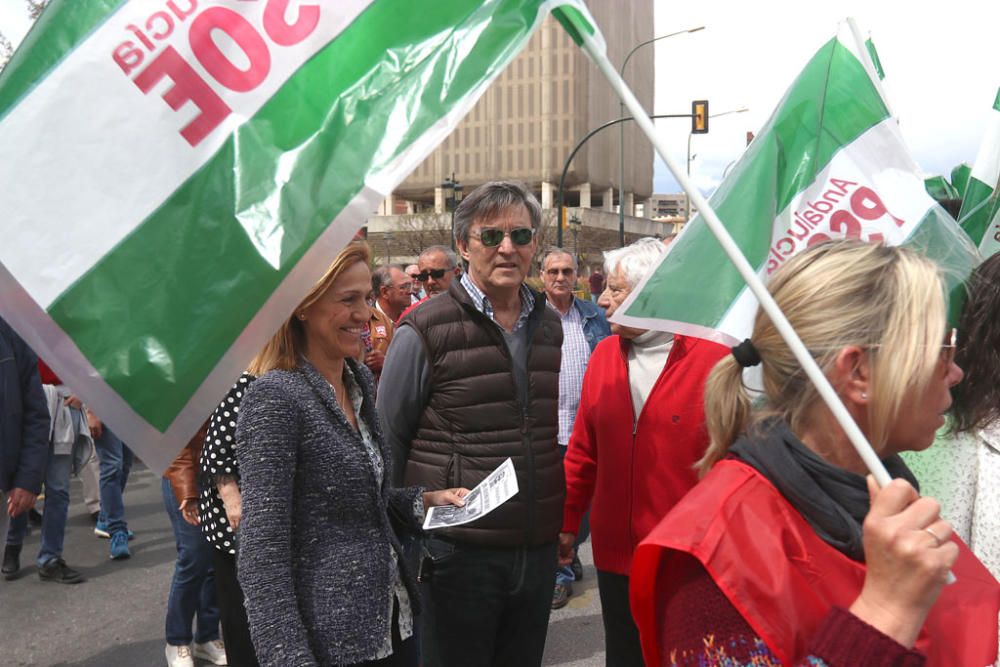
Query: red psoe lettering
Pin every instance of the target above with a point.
(842, 221)
(286, 34)
(188, 87)
(164, 18)
(216, 62)
(868, 206)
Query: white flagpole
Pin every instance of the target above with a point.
(756, 285)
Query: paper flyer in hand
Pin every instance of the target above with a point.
(491, 493)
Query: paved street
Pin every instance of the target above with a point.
(115, 618)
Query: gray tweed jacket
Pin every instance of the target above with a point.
(314, 558)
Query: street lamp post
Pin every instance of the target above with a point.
(621, 132)
(575, 223)
(454, 189)
(569, 160)
(687, 199)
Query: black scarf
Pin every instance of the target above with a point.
(832, 500)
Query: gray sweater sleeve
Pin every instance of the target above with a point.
(403, 392)
(267, 437)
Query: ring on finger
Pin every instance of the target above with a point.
(937, 539)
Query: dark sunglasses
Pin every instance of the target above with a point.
(436, 274)
(491, 237)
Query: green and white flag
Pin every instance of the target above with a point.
(990, 245)
(829, 163)
(981, 203)
(177, 174)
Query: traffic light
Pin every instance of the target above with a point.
(699, 117)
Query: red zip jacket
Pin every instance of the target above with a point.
(635, 471)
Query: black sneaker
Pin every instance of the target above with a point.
(57, 570)
(11, 561)
(577, 568)
(561, 595)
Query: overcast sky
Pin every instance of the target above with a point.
(13, 19)
(939, 59)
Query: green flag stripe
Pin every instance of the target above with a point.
(977, 208)
(574, 22)
(48, 45)
(873, 53)
(996, 101)
(201, 278)
(830, 105)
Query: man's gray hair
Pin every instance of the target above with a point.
(490, 200)
(556, 250)
(382, 277)
(448, 253)
(634, 260)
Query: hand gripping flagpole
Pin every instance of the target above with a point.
(753, 281)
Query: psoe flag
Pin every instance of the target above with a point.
(980, 203)
(829, 163)
(178, 173)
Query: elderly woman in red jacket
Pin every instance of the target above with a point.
(638, 433)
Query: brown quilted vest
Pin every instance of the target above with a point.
(474, 419)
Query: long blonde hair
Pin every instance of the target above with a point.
(887, 300)
(285, 346)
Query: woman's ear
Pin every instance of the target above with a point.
(851, 375)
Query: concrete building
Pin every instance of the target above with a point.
(532, 116)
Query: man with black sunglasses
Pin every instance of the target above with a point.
(437, 266)
(471, 379)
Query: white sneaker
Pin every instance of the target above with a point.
(213, 651)
(179, 656)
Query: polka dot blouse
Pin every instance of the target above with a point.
(218, 459)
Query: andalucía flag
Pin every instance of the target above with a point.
(980, 204)
(829, 163)
(177, 174)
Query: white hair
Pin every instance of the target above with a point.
(634, 260)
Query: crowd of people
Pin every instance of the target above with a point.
(729, 526)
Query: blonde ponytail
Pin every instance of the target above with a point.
(727, 410)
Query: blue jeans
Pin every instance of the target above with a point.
(564, 574)
(56, 509)
(116, 462)
(192, 590)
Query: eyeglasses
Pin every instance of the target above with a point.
(414, 276)
(491, 237)
(436, 274)
(405, 287)
(567, 271)
(948, 347)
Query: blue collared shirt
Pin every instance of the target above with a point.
(575, 354)
(483, 305)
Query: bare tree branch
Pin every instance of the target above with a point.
(35, 8)
(6, 51)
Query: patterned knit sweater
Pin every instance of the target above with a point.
(316, 538)
(843, 640)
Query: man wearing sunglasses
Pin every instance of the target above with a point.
(437, 266)
(471, 379)
(584, 326)
(416, 289)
